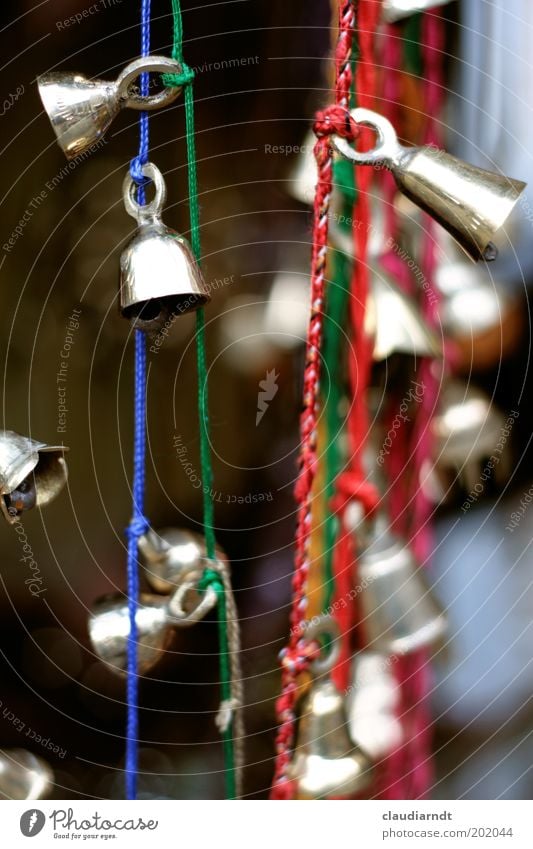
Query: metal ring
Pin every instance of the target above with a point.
(144, 65)
(386, 148)
(323, 626)
(178, 616)
(148, 210)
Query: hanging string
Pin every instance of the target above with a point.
(139, 523)
(295, 657)
(229, 719)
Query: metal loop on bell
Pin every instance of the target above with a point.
(326, 627)
(153, 209)
(144, 65)
(386, 148)
(179, 616)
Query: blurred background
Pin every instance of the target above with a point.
(260, 76)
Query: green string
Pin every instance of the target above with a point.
(211, 577)
(412, 32)
(336, 312)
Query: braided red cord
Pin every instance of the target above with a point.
(336, 120)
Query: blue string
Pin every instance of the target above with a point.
(139, 523)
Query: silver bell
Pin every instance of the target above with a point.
(159, 276)
(395, 10)
(470, 203)
(326, 764)
(24, 776)
(374, 704)
(468, 429)
(109, 625)
(398, 612)
(31, 473)
(395, 322)
(81, 110)
(172, 555)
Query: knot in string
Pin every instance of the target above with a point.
(336, 120)
(351, 486)
(186, 77)
(137, 527)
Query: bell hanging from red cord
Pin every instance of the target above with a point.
(326, 764)
(472, 204)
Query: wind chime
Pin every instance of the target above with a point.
(160, 279)
(353, 715)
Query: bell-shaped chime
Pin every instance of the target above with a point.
(470, 203)
(326, 764)
(155, 618)
(81, 110)
(31, 473)
(373, 705)
(159, 276)
(23, 775)
(172, 555)
(398, 613)
(468, 430)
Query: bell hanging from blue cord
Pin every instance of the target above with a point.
(159, 276)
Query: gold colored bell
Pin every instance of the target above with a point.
(159, 276)
(395, 10)
(81, 110)
(24, 776)
(326, 764)
(373, 705)
(470, 203)
(31, 473)
(398, 612)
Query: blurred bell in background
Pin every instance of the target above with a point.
(68, 370)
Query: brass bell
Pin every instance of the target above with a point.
(326, 764)
(470, 203)
(81, 110)
(23, 775)
(31, 473)
(373, 705)
(395, 10)
(109, 625)
(398, 613)
(159, 276)
(172, 555)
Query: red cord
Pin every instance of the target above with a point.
(335, 119)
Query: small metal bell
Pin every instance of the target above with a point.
(81, 110)
(468, 429)
(470, 203)
(24, 776)
(326, 764)
(303, 177)
(31, 473)
(159, 276)
(395, 322)
(395, 10)
(109, 625)
(398, 612)
(172, 555)
(373, 704)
